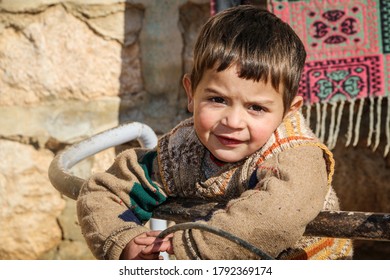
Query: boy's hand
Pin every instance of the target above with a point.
(147, 246)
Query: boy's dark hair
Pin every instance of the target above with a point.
(260, 44)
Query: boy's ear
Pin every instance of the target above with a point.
(296, 104)
(188, 88)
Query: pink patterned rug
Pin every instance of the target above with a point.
(348, 46)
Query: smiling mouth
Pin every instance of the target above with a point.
(228, 141)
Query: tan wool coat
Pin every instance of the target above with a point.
(272, 196)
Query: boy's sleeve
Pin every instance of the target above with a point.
(113, 206)
(290, 193)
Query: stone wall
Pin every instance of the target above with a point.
(70, 69)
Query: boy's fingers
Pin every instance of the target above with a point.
(169, 236)
(157, 247)
(152, 245)
(155, 233)
(170, 250)
(141, 240)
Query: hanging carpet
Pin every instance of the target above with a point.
(347, 66)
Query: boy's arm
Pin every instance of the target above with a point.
(112, 206)
(290, 193)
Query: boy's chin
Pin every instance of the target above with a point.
(227, 157)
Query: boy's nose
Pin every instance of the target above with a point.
(233, 118)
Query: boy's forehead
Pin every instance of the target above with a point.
(230, 76)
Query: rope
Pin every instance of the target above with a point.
(219, 232)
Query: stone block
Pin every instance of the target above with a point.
(29, 204)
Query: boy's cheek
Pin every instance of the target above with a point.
(204, 120)
(260, 136)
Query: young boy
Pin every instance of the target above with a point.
(246, 144)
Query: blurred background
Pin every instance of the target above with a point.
(71, 69)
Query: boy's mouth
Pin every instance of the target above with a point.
(227, 141)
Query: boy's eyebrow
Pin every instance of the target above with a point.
(267, 101)
(212, 90)
(259, 101)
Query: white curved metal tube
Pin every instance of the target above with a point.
(70, 185)
(59, 169)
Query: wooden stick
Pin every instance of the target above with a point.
(337, 224)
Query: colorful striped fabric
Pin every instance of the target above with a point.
(348, 47)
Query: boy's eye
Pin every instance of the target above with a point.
(217, 99)
(257, 108)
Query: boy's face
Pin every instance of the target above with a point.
(234, 117)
